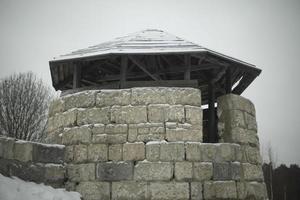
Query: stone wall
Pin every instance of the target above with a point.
(40, 163)
(146, 143)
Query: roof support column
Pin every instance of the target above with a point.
(228, 83)
(187, 62)
(123, 71)
(212, 126)
(76, 75)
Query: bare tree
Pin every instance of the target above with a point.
(24, 101)
(272, 165)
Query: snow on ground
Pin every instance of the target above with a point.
(17, 189)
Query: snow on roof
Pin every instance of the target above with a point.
(146, 41)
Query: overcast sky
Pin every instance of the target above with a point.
(264, 33)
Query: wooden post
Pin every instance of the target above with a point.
(187, 62)
(76, 76)
(212, 131)
(228, 83)
(124, 64)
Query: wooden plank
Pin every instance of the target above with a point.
(142, 67)
(163, 83)
(76, 75)
(187, 62)
(124, 65)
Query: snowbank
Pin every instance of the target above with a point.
(17, 189)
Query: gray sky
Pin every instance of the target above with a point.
(264, 33)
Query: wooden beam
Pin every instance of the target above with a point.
(143, 67)
(163, 83)
(187, 62)
(228, 82)
(124, 65)
(76, 75)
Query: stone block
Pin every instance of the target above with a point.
(153, 151)
(243, 136)
(196, 191)
(94, 190)
(116, 129)
(150, 137)
(134, 151)
(193, 114)
(174, 113)
(128, 114)
(97, 152)
(251, 190)
(193, 151)
(153, 171)
(47, 153)
(55, 173)
(115, 152)
(132, 133)
(81, 172)
(56, 107)
(80, 100)
(28, 171)
(169, 190)
(113, 97)
(183, 171)
(80, 153)
(220, 190)
(115, 171)
(235, 102)
(129, 190)
(180, 134)
(251, 154)
(209, 152)
(94, 116)
(226, 171)
(7, 148)
(109, 139)
(225, 152)
(69, 154)
(5, 166)
(145, 96)
(23, 151)
(77, 135)
(68, 119)
(252, 172)
(250, 122)
(172, 151)
(202, 171)
(157, 112)
(98, 129)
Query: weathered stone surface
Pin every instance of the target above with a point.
(183, 171)
(157, 112)
(220, 190)
(56, 106)
(77, 135)
(193, 114)
(180, 134)
(150, 137)
(80, 153)
(93, 190)
(235, 102)
(132, 133)
(251, 190)
(109, 139)
(116, 129)
(226, 171)
(115, 152)
(69, 154)
(134, 151)
(44, 153)
(196, 191)
(115, 171)
(209, 152)
(175, 113)
(243, 136)
(172, 151)
(128, 114)
(169, 190)
(28, 171)
(145, 96)
(97, 152)
(129, 190)
(225, 152)
(193, 151)
(113, 97)
(98, 129)
(81, 172)
(7, 147)
(251, 154)
(94, 116)
(148, 171)
(152, 151)
(23, 151)
(250, 122)
(65, 119)
(5, 166)
(79, 100)
(202, 171)
(54, 173)
(252, 172)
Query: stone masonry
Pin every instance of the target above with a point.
(146, 143)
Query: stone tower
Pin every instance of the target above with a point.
(152, 116)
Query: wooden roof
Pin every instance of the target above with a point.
(150, 58)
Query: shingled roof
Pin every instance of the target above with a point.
(152, 56)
